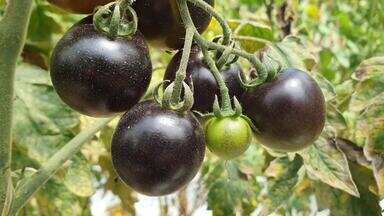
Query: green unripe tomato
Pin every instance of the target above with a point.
(228, 137)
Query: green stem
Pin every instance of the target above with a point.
(34, 183)
(188, 23)
(186, 17)
(227, 32)
(13, 31)
(224, 92)
(182, 71)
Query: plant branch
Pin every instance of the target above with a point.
(182, 71)
(224, 92)
(227, 32)
(33, 184)
(13, 31)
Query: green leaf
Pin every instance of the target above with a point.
(366, 108)
(225, 195)
(43, 124)
(55, 199)
(343, 204)
(232, 185)
(251, 35)
(370, 86)
(326, 162)
(285, 177)
(290, 53)
(78, 178)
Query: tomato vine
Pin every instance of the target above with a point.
(13, 30)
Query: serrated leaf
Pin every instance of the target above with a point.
(366, 108)
(326, 162)
(370, 86)
(343, 204)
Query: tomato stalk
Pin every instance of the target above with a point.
(114, 23)
(182, 71)
(25, 191)
(205, 45)
(13, 30)
(226, 100)
(224, 92)
(260, 67)
(227, 32)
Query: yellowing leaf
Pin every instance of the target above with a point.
(326, 162)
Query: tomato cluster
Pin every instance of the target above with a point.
(157, 150)
(204, 83)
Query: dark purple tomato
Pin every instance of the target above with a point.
(79, 6)
(289, 111)
(160, 21)
(204, 83)
(157, 151)
(98, 76)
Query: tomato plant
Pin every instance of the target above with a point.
(287, 97)
(203, 81)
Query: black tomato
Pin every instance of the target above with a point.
(79, 6)
(160, 21)
(204, 83)
(289, 111)
(157, 151)
(98, 76)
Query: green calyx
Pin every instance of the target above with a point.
(116, 19)
(166, 99)
(270, 69)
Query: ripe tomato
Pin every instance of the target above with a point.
(204, 83)
(79, 6)
(228, 137)
(160, 21)
(98, 76)
(157, 151)
(289, 111)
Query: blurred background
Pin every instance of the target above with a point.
(337, 35)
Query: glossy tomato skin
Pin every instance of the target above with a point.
(228, 137)
(204, 83)
(289, 111)
(160, 22)
(79, 6)
(157, 151)
(98, 76)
